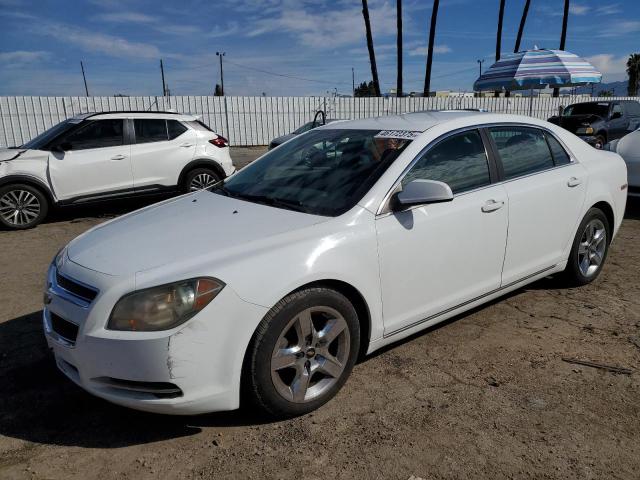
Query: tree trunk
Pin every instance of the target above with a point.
(399, 23)
(499, 38)
(523, 20)
(563, 36)
(372, 54)
(432, 35)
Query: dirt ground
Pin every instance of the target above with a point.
(483, 396)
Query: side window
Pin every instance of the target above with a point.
(459, 161)
(560, 156)
(150, 130)
(617, 108)
(175, 129)
(97, 134)
(522, 150)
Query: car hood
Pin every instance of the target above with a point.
(573, 122)
(181, 230)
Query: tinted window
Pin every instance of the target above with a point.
(304, 128)
(522, 150)
(594, 108)
(323, 172)
(175, 129)
(633, 108)
(560, 156)
(617, 108)
(96, 134)
(150, 130)
(459, 161)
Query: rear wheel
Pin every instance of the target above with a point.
(200, 178)
(302, 352)
(22, 206)
(589, 249)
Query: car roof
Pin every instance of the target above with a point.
(417, 121)
(185, 117)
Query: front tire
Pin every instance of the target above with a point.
(589, 250)
(22, 206)
(301, 353)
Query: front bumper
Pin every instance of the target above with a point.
(590, 139)
(192, 369)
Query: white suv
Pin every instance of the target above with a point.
(102, 156)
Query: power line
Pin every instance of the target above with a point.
(286, 75)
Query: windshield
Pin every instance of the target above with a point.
(323, 172)
(45, 137)
(600, 109)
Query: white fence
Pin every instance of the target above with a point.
(248, 120)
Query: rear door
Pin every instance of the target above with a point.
(546, 190)
(97, 161)
(161, 149)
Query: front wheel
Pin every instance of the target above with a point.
(589, 249)
(22, 206)
(200, 178)
(302, 352)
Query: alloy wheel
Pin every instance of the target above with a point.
(202, 181)
(310, 354)
(592, 247)
(19, 207)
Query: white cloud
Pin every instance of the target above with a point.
(577, 9)
(22, 57)
(621, 28)
(422, 51)
(612, 68)
(126, 17)
(334, 28)
(609, 9)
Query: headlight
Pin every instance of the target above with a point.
(163, 307)
(585, 131)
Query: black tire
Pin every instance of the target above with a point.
(197, 173)
(22, 206)
(600, 141)
(573, 274)
(262, 387)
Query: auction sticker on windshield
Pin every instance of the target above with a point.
(407, 134)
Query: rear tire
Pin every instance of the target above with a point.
(301, 353)
(589, 250)
(199, 179)
(22, 206)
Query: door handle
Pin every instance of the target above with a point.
(492, 206)
(186, 145)
(574, 182)
(118, 157)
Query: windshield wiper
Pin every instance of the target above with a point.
(273, 202)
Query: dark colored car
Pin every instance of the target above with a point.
(600, 122)
(304, 128)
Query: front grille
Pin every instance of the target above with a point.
(63, 328)
(75, 288)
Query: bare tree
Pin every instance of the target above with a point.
(499, 38)
(399, 24)
(432, 35)
(563, 36)
(372, 54)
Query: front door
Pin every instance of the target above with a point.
(96, 161)
(436, 257)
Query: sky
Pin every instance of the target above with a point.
(283, 47)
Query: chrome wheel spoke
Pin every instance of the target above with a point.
(329, 365)
(583, 248)
(331, 330)
(300, 384)
(202, 181)
(285, 358)
(19, 207)
(304, 328)
(592, 248)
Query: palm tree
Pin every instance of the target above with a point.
(372, 54)
(432, 35)
(563, 36)
(633, 70)
(523, 20)
(499, 37)
(399, 23)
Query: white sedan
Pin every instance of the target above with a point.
(268, 286)
(628, 147)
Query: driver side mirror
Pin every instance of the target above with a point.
(421, 192)
(62, 147)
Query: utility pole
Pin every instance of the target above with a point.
(480, 62)
(563, 37)
(86, 89)
(221, 54)
(164, 86)
(353, 82)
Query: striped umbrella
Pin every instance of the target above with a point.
(538, 68)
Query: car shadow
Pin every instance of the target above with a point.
(632, 211)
